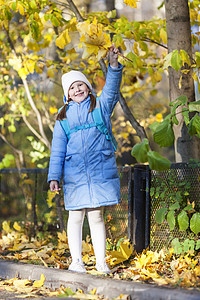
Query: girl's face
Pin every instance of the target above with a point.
(78, 91)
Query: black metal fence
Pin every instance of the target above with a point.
(180, 183)
(134, 217)
(24, 196)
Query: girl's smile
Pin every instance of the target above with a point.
(78, 91)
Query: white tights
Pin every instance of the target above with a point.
(97, 230)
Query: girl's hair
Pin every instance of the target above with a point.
(62, 114)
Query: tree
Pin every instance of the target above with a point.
(179, 38)
(30, 29)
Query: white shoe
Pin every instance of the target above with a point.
(103, 268)
(77, 266)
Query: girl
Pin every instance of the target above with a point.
(87, 160)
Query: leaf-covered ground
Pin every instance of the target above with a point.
(162, 268)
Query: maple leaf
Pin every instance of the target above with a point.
(131, 3)
(95, 40)
(63, 39)
(123, 253)
(40, 282)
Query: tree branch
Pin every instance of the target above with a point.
(33, 129)
(16, 151)
(32, 103)
(30, 99)
(138, 128)
(146, 39)
(75, 11)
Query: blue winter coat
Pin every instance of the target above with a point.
(87, 159)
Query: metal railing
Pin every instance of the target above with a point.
(26, 190)
(134, 217)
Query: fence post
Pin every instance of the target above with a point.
(140, 207)
(130, 204)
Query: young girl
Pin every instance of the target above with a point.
(87, 160)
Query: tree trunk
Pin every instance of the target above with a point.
(179, 37)
(110, 5)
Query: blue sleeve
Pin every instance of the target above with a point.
(58, 153)
(111, 90)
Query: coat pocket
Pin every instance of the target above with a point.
(109, 165)
(70, 195)
(73, 169)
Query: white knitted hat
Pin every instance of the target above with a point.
(71, 77)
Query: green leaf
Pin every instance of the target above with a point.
(171, 219)
(174, 206)
(185, 113)
(167, 61)
(54, 21)
(195, 223)
(112, 14)
(164, 134)
(158, 162)
(185, 57)
(68, 292)
(160, 214)
(176, 245)
(194, 106)
(197, 58)
(176, 60)
(152, 191)
(140, 150)
(154, 126)
(181, 100)
(188, 207)
(183, 221)
(194, 125)
(197, 245)
(188, 245)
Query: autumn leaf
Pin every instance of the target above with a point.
(95, 40)
(63, 39)
(40, 282)
(6, 226)
(123, 253)
(131, 3)
(53, 110)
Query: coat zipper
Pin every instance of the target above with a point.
(85, 159)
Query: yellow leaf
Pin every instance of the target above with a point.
(15, 62)
(62, 236)
(93, 292)
(50, 73)
(159, 117)
(63, 39)
(131, 3)
(163, 35)
(87, 248)
(21, 283)
(16, 226)
(40, 282)
(180, 82)
(53, 110)
(20, 8)
(95, 40)
(6, 226)
(124, 252)
(23, 73)
(160, 281)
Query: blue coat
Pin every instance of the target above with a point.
(87, 159)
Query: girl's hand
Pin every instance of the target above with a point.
(54, 186)
(113, 56)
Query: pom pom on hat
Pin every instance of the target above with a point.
(71, 77)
